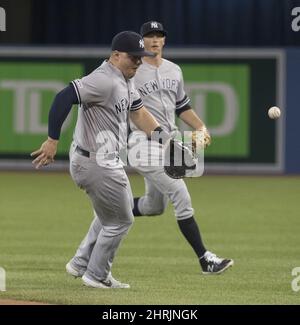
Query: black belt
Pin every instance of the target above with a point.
(82, 152)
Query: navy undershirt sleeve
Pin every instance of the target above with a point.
(60, 109)
(182, 109)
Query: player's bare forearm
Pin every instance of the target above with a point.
(144, 120)
(192, 119)
(45, 155)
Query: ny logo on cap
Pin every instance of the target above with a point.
(141, 42)
(154, 24)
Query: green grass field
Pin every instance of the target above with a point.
(254, 220)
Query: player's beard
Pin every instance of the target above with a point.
(130, 73)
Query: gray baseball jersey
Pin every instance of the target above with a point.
(162, 91)
(104, 100)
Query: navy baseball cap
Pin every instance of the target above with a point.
(131, 43)
(152, 26)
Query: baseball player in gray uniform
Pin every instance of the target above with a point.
(106, 97)
(160, 84)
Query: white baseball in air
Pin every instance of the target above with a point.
(274, 112)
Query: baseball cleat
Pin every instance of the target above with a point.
(109, 283)
(74, 271)
(212, 264)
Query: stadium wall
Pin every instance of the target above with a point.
(292, 144)
(231, 88)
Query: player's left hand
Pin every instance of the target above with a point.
(45, 155)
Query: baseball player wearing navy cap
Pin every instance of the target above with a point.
(160, 84)
(106, 97)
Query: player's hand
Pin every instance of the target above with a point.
(207, 138)
(45, 155)
(201, 139)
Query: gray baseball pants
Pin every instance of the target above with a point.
(110, 193)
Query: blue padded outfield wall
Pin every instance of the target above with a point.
(234, 23)
(292, 126)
